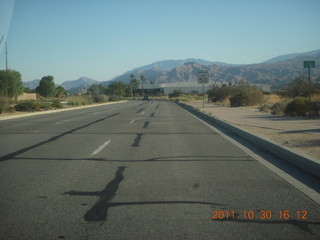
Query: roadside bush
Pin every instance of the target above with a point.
(242, 94)
(300, 107)
(186, 97)
(265, 108)
(56, 104)
(27, 106)
(100, 98)
(5, 106)
(175, 93)
(182, 99)
(218, 94)
(43, 106)
(300, 88)
(247, 96)
(114, 98)
(79, 100)
(278, 108)
(315, 108)
(297, 107)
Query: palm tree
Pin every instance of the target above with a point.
(142, 80)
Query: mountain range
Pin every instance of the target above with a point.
(277, 71)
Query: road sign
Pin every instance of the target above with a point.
(309, 64)
(203, 76)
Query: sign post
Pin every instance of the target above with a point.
(203, 77)
(309, 64)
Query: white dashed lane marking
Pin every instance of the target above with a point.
(99, 149)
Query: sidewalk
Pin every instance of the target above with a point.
(299, 134)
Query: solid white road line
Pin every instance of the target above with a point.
(132, 121)
(100, 148)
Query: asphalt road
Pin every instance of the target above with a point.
(140, 170)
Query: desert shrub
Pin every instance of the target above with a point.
(218, 94)
(3, 105)
(43, 106)
(265, 108)
(297, 107)
(100, 98)
(114, 98)
(278, 108)
(300, 107)
(247, 96)
(175, 93)
(182, 99)
(79, 100)
(300, 88)
(315, 108)
(242, 94)
(56, 104)
(27, 106)
(6, 106)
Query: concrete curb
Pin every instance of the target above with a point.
(305, 163)
(31, 114)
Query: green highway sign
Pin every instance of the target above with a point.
(309, 64)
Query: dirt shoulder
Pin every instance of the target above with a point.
(300, 134)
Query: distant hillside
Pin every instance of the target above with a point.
(275, 74)
(75, 85)
(151, 71)
(31, 84)
(170, 64)
(290, 56)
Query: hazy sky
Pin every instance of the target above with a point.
(100, 39)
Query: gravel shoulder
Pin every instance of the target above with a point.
(300, 134)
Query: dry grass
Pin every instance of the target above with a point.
(272, 99)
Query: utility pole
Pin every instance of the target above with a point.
(6, 71)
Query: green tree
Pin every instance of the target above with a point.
(95, 90)
(46, 87)
(60, 92)
(10, 84)
(134, 84)
(142, 78)
(116, 89)
(299, 87)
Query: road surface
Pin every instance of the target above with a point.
(140, 170)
